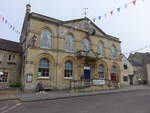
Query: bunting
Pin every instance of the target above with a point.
(10, 26)
(137, 50)
(118, 9)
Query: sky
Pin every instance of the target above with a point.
(131, 25)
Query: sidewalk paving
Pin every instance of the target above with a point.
(52, 95)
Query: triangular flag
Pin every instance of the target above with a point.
(99, 17)
(118, 9)
(126, 6)
(111, 12)
(105, 15)
(134, 2)
(10, 26)
(93, 19)
(5, 21)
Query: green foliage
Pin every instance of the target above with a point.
(15, 85)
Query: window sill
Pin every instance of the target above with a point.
(44, 78)
(68, 78)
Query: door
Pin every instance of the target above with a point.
(87, 73)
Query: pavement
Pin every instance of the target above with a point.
(53, 95)
(125, 102)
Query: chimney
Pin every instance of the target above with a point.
(28, 8)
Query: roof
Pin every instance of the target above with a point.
(12, 46)
(139, 59)
(46, 18)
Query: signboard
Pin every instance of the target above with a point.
(98, 82)
(29, 78)
(1, 73)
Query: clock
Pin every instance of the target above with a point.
(91, 31)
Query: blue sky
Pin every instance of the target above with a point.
(131, 25)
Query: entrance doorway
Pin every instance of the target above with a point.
(87, 72)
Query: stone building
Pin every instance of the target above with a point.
(10, 63)
(140, 63)
(127, 72)
(56, 52)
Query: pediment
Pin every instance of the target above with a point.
(84, 24)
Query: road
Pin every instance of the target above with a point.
(131, 102)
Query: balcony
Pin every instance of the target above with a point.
(89, 55)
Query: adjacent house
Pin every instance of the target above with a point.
(10, 63)
(140, 63)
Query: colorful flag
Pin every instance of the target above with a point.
(99, 17)
(111, 12)
(134, 2)
(118, 9)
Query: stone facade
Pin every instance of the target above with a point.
(58, 54)
(140, 62)
(10, 63)
(127, 72)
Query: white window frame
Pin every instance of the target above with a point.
(46, 42)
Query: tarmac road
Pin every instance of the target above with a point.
(129, 102)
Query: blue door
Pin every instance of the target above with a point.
(87, 73)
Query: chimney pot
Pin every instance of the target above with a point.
(28, 8)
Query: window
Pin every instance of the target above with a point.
(9, 57)
(68, 69)
(43, 68)
(86, 45)
(101, 71)
(125, 79)
(125, 66)
(100, 48)
(113, 52)
(3, 76)
(114, 73)
(69, 43)
(46, 39)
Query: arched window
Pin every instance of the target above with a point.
(113, 51)
(69, 43)
(101, 71)
(114, 72)
(100, 48)
(46, 39)
(86, 45)
(44, 67)
(68, 69)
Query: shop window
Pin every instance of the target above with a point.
(43, 68)
(125, 79)
(125, 66)
(68, 69)
(3, 76)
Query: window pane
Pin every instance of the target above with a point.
(86, 44)
(69, 43)
(44, 67)
(45, 39)
(101, 48)
(68, 69)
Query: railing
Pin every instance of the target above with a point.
(74, 84)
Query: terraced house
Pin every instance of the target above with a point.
(59, 52)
